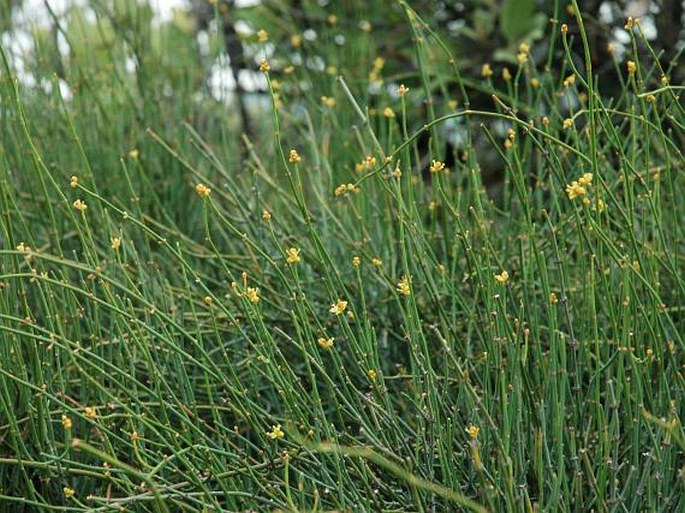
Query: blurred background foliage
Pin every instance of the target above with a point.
(203, 36)
(114, 63)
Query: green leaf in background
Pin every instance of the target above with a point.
(517, 19)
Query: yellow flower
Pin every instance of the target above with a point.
(73, 181)
(502, 277)
(292, 256)
(91, 412)
(208, 300)
(486, 70)
(629, 23)
(328, 102)
(252, 294)
(631, 67)
(403, 286)
(376, 262)
(402, 90)
(372, 374)
(553, 299)
(23, 247)
(356, 261)
(506, 74)
(511, 134)
(276, 432)
(296, 40)
(473, 431)
(388, 113)
(575, 190)
(564, 28)
(134, 154)
(436, 166)
(266, 215)
(115, 243)
(294, 157)
(338, 307)
(80, 205)
(585, 180)
(534, 82)
(568, 123)
(202, 190)
(522, 57)
(264, 66)
(68, 492)
(326, 343)
(340, 190)
(332, 19)
(262, 36)
(66, 422)
(524, 48)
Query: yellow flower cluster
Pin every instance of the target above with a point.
(631, 67)
(366, 164)
(294, 157)
(473, 431)
(328, 101)
(524, 51)
(325, 343)
(292, 255)
(436, 166)
(342, 189)
(276, 432)
(403, 287)
(502, 277)
(338, 307)
(631, 22)
(578, 188)
(375, 72)
(202, 190)
(486, 70)
(252, 294)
